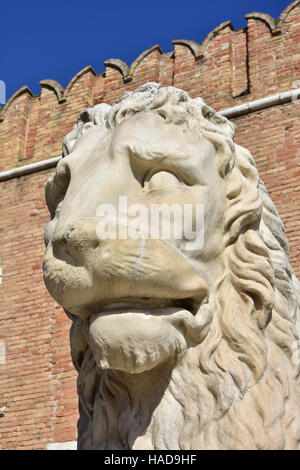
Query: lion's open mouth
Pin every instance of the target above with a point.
(150, 304)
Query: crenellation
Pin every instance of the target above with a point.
(268, 20)
(55, 87)
(229, 68)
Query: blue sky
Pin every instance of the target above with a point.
(56, 39)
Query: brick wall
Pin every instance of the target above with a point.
(38, 403)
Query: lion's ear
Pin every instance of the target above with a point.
(223, 125)
(246, 162)
(226, 157)
(244, 204)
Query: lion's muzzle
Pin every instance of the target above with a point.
(84, 273)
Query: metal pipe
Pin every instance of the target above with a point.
(263, 103)
(31, 168)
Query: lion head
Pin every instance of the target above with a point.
(184, 341)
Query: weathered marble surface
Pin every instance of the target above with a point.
(178, 344)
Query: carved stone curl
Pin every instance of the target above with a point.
(178, 344)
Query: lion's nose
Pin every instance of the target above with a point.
(77, 236)
(68, 236)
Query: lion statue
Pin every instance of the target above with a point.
(180, 342)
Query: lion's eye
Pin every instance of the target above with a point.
(162, 180)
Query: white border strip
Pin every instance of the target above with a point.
(292, 95)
